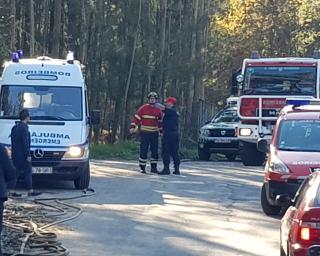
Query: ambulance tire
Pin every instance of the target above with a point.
(267, 208)
(84, 180)
(250, 155)
(204, 155)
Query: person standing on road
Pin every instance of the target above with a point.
(7, 174)
(20, 146)
(170, 137)
(149, 118)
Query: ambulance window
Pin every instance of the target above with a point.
(86, 102)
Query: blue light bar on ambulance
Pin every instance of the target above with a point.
(20, 53)
(302, 102)
(15, 57)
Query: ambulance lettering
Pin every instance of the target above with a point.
(48, 138)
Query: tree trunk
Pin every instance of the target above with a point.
(125, 100)
(13, 25)
(163, 13)
(32, 33)
(84, 33)
(45, 24)
(56, 28)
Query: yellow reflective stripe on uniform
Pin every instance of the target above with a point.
(149, 128)
(142, 160)
(149, 117)
(137, 116)
(153, 161)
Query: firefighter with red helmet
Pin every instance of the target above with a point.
(149, 118)
(170, 137)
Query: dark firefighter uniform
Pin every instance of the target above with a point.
(149, 118)
(20, 142)
(170, 138)
(7, 174)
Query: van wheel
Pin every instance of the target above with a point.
(267, 208)
(83, 181)
(203, 154)
(231, 157)
(250, 155)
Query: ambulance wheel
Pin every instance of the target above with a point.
(203, 154)
(231, 157)
(267, 208)
(83, 181)
(250, 155)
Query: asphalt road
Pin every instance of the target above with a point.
(213, 208)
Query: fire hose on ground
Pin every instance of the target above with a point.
(29, 220)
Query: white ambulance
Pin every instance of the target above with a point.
(54, 92)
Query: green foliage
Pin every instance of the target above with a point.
(274, 28)
(186, 49)
(128, 150)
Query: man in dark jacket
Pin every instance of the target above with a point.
(20, 146)
(170, 137)
(7, 174)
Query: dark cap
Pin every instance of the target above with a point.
(24, 114)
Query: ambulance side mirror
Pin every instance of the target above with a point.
(263, 146)
(95, 117)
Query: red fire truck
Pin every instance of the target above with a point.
(263, 86)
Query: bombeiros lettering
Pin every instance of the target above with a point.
(42, 72)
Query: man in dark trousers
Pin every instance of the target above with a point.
(7, 174)
(170, 137)
(149, 118)
(20, 146)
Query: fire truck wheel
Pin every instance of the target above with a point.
(203, 154)
(231, 157)
(83, 181)
(250, 155)
(267, 208)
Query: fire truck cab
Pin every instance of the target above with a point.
(263, 86)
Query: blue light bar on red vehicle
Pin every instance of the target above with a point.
(302, 102)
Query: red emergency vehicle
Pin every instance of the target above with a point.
(300, 226)
(263, 86)
(294, 152)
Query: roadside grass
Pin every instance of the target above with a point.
(129, 150)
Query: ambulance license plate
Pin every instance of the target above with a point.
(42, 170)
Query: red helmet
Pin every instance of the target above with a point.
(171, 100)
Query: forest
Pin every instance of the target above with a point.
(188, 49)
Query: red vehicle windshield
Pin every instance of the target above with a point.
(306, 134)
(280, 80)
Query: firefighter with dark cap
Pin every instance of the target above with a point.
(149, 118)
(170, 137)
